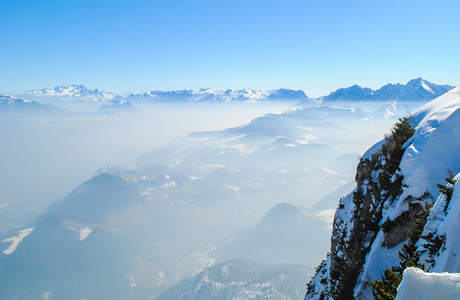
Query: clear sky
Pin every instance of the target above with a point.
(314, 45)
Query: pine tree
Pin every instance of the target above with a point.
(386, 288)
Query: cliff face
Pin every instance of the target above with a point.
(396, 182)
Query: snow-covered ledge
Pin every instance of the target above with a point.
(417, 284)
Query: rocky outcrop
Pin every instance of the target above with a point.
(358, 219)
(389, 222)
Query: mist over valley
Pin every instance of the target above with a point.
(128, 197)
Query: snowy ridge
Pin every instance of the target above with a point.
(416, 89)
(214, 95)
(71, 93)
(430, 155)
(16, 106)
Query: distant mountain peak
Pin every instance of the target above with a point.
(70, 93)
(118, 104)
(416, 89)
(15, 106)
(229, 95)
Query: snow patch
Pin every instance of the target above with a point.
(306, 138)
(235, 189)
(84, 232)
(46, 295)
(16, 240)
(426, 87)
(327, 216)
(331, 172)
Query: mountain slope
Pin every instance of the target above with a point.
(240, 279)
(275, 239)
(110, 238)
(395, 179)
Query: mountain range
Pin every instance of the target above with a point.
(416, 89)
(212, 95)
(14, 106)
(69, 93)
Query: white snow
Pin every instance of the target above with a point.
(132, 281)
(448, 225)
(426, 87)
(16, 240)
(84, 232)
(72, 92)
(419, 285)
(434, 146)
(331, 172)
(306, 138)
(211, 167)
(327, 216)
(233, 188)
(372, 150)
(46, 295)
(207, 94)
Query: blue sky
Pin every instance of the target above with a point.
(314, 45)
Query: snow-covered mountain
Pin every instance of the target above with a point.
(416, 89)
(110, 238)
(213, 95)
(117, 105)
(240, 279)
(388, 222)
(69, 93)
(15, 106)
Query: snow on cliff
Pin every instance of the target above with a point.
(432, 154)
(359, 241)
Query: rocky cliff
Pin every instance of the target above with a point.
(389, 222)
